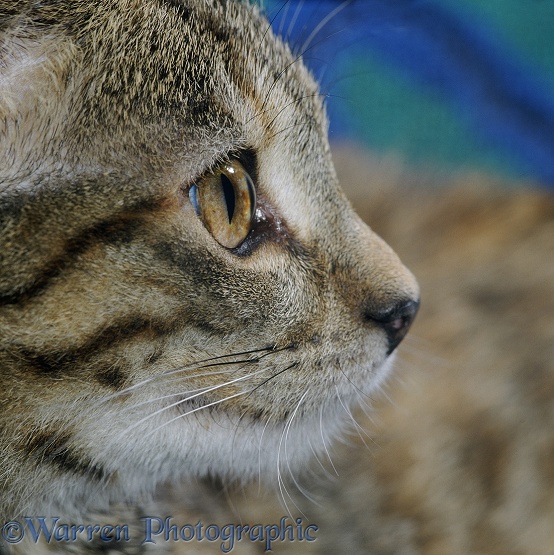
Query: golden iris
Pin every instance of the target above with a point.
(225, 201)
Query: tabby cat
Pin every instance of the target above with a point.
(184, 289)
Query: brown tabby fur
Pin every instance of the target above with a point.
(109, 111)
(134, 348)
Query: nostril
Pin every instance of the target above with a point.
(395, 321)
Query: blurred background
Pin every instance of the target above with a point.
(440, 84)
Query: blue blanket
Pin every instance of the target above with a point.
(444, 83)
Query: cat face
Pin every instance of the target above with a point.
(184, 287)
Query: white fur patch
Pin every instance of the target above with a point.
(31, 83)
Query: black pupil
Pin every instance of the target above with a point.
(229, 193)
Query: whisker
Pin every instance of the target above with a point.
(364, 395)
(189, 398)
(293, 365)
(291, 474)
(423, 349)
(294, 19)
(316, 457)
(252, 391)
(328, 85)
(203, 363)
(359, 429)
(292, 102)
(192, 411)
(283, 130)
(283, 17)
(323, 440)
(268, 29)
(297, 100)
(284, 436)
(162, 397)
(276, 80)
(260, 458)
(290, 64)
(324, 22)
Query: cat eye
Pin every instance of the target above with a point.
(225, 201)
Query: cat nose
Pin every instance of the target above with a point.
(395, 320)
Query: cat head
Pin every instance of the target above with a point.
(184, 288)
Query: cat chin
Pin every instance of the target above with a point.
(245, 449)
(236, 453)
(233, 449)
(241, 448)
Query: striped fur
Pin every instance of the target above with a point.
(133, 347)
